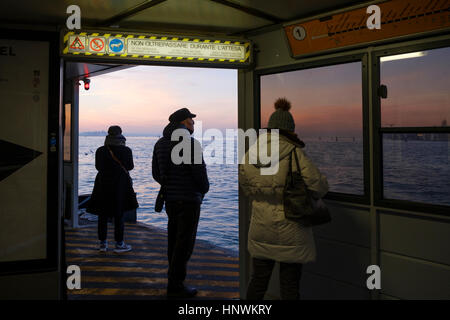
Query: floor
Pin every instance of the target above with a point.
(142, 272)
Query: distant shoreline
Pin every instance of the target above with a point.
(104, 133)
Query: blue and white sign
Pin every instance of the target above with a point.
(116, 45)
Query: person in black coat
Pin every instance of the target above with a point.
(112, 186)
(184, 185)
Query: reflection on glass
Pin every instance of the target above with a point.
(416, 167)
(418, 89)
(67, 132)
(327, 109)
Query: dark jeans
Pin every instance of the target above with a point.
(182, 231)
(290, 274)
(103, 227)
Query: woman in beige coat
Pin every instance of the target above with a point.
(272, 238)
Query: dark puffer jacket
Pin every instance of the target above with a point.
(183, 182)
(111, 183)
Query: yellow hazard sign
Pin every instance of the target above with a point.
(237, 52)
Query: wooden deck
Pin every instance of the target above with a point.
(142, 272)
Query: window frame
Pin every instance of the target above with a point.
(349, 58)
(63, 124)
(378, 132)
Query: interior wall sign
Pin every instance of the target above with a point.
(352, 28)
(141, 47)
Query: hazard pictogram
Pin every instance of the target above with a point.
(97, 44)
(77, 44)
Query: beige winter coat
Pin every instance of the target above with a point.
(271, 235)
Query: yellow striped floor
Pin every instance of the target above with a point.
(142, 272)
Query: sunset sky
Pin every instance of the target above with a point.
(326, 101)
(418, 90)
(140, 99)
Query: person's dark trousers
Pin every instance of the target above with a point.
(182, 231)
(118, 227)
(290, 274)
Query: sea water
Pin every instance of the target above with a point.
(219, 211)
(417, 171)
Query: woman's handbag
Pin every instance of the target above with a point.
(299, 205)
(131, 202)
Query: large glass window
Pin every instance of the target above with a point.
(327, 109)
(414, 126)
(418, 86)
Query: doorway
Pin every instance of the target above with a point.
(140, 100)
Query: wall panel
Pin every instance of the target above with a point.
(415, 237)
(340, 261)
(409, 278)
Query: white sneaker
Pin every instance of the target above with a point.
(122, 248)
(103, 246)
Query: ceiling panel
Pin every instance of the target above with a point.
(194, 14)
(79, 70)
(293, 9)
(53, 12)
(191, 16)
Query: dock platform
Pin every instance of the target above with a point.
(142, 272)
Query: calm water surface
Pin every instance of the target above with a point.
(219, 212)
(413, 170)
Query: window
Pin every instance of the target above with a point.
(415, 136)
(327, 107)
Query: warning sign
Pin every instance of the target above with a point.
(148, 47)
(186, 49)
(77, 43)
(97, 44)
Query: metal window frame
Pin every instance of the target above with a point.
(51, 261)
(63, 129)
(379, 199)
(343, 59)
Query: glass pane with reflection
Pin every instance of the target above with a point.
(327, 109)
(418, 86)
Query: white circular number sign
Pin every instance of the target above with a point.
(299, 33)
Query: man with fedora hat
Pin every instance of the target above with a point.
(184, 184)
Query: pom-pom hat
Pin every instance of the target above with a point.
(282, 118)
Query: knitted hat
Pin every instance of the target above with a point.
(115, 133)
(282, 118)
(114, 130)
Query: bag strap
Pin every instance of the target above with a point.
(290, 173)
(117, 160)
(296, 161)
